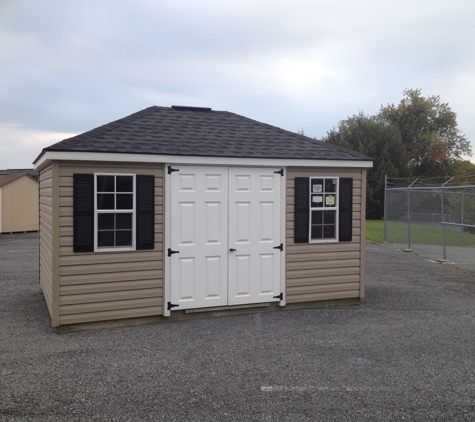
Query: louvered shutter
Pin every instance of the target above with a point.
(346, 210)
(145, 212)
(83, 212)
(301, 210)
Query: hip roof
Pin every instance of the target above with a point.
(193, 131)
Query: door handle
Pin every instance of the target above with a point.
(232, 250)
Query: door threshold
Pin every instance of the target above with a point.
(226, 308)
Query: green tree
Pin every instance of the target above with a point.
(464, 172)
(418, 137)
(380, 141)
(429, 132)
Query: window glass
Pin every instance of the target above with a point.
(124, 201)
(105, 201)
(316, 232)
(123, 238)
(105, 238)
(124, 221)
(105, 183)
(125, 183)
(329, 217)
(330, 185)
(317, 201)
(105, 221)
(317, 217)
(316, 186)
(330, 200)
(329, 232)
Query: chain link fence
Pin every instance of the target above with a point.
(427, 212)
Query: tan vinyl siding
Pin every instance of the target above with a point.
(100, 286)
(46, 235)
(19, 203)
(325, 271)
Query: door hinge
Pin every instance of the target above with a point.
(170, 252)
(171, 170)
(281, 172)
(280, 297)
(171, 305)
(280, 247)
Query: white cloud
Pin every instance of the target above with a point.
(19, 146)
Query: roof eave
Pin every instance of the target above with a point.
(48, 155)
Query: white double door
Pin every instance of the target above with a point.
(225, 236)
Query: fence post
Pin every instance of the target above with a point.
(463, 206)
(409, 213)
(385, 237)
(442, 210)
(409, 217)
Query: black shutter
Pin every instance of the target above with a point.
(83, 212)
(145, 213)
(346, 210)
(301, 216)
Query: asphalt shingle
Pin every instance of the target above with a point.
(201, 132)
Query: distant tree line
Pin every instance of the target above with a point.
(418, 137)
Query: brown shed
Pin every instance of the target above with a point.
(182, 212)
(18, 203)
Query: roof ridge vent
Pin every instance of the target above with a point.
(188, 108)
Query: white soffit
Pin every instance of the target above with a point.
(197, 160)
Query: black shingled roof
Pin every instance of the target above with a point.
(194, 131)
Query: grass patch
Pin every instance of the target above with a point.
(420, 234)
(375, 230)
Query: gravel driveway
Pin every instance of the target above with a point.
(406, 353)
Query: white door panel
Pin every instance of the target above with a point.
(254, 216)
(199, 228)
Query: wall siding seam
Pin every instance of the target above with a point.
(111, 315)
(323, 296)
(108, 297)
(116, 305)
(110, 278)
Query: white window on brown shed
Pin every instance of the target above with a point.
(323, 209)
(113, 212)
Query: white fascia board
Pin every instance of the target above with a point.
(196, 160)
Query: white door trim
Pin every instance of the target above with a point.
(283, 232)
(167, 209)
(0, 210)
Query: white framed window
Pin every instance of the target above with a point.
(114, 212)
(324, 203)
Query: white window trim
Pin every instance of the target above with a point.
(97, 212)
(337, 221)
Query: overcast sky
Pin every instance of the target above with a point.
(69, 66)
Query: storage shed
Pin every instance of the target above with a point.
(182, 212)
(18, 203)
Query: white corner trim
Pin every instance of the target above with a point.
(196, 160)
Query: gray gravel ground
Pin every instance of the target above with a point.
(460, 256)
(407, 353)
